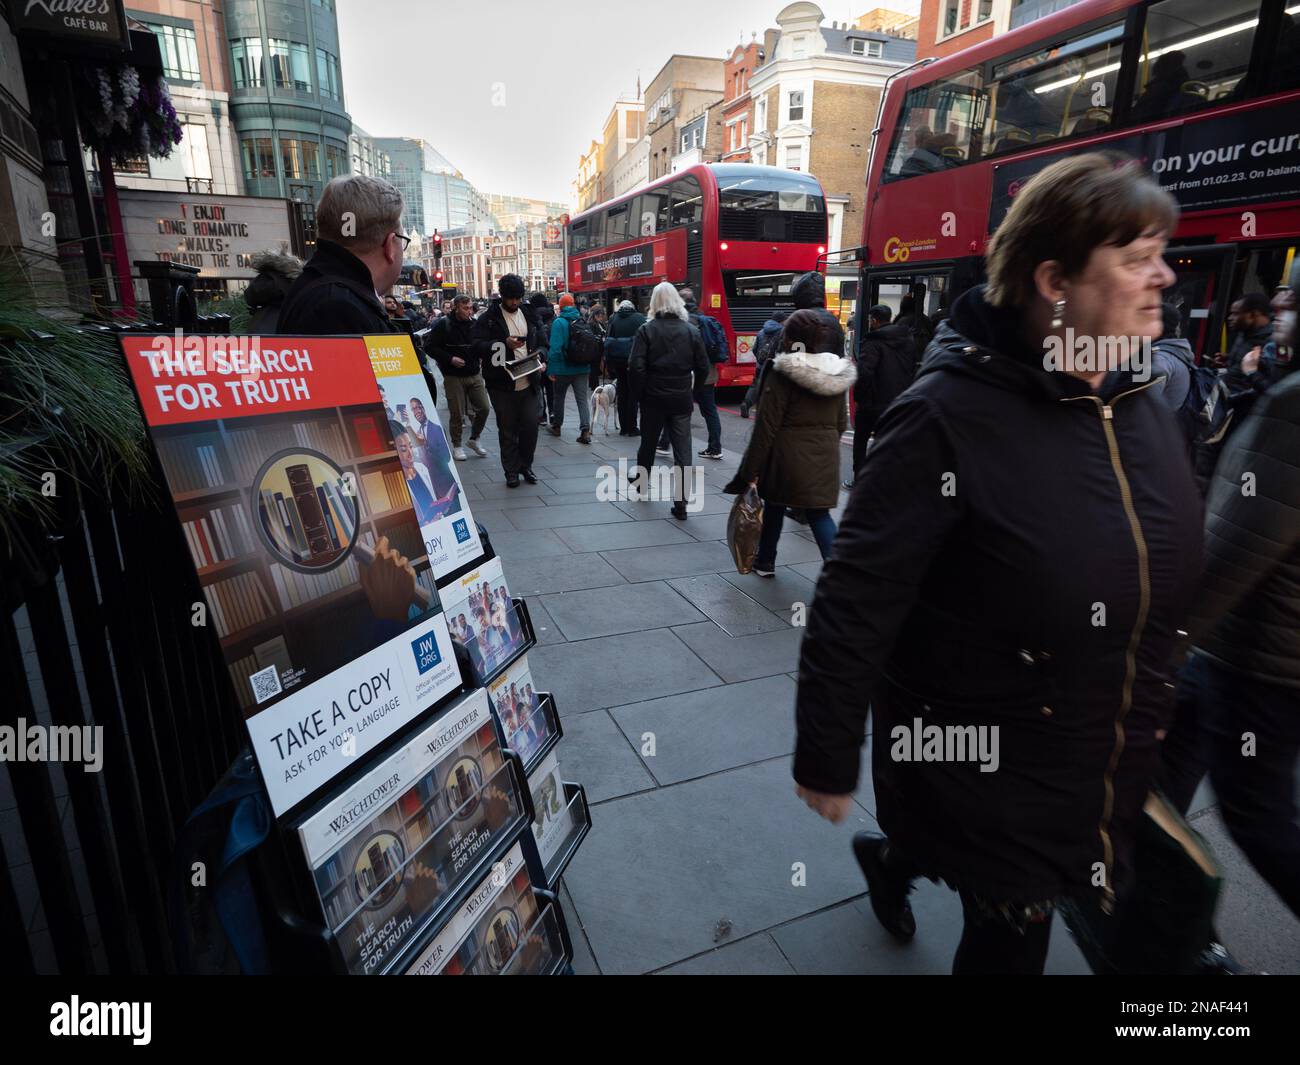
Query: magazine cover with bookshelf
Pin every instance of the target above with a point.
(497, 927)
(552, 818)
(518, 705)
(481, 615)
(397, 843)
(450, 533)
(327, 612)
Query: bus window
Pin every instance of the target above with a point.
(687, 203)
(1286, 60)
(652, 211)
(940, 126)
(578, 237)
(1063, 91)
(616, 222)
(1194, 53)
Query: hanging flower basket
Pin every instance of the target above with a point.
(127, 115)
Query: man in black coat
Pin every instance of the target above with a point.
(502, 335)
(1243, 679)
(358, 256)
(449, 343)
(888, 359)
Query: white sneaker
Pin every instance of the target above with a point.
(459, 454)
(478, 449)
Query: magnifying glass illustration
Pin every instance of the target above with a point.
(308, 516)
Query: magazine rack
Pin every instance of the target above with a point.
(487, 662)
(579, 815)
(536, 739)
(549, 932)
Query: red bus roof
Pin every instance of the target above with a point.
(1031, 33)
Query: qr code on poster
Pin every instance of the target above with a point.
(266, 683)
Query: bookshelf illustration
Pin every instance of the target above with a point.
(252, 595)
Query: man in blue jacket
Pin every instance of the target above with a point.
(566, 376)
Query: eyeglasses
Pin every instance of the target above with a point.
(406, 241)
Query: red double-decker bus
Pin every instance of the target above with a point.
(736, 233)
(1205, 93)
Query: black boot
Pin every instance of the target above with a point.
(889, 889)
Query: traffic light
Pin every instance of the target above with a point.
(437, 244)
(437, 277)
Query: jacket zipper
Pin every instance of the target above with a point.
(1135, 638)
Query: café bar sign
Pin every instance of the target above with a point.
(101, 22)
(217, 234)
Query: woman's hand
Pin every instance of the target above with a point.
(832, 807)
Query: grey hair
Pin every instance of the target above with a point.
(359, 211)
(665, 301)
(627, 305)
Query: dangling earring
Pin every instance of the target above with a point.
(1058, 313)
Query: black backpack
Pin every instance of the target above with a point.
(585, 347)
(1206, 413)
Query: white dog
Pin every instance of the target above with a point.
(604, 400)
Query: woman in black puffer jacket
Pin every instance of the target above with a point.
(668, 363)
(1018, 550)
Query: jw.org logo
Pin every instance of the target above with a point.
(426, 652)
(461, 528)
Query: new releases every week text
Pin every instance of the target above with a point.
(184, 378)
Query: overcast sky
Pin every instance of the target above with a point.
(512, 92)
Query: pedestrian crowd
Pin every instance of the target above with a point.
(1099, 567)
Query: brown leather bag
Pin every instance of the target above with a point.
(744, 526)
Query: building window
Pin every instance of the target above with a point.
(870, 49)
(760, 114)
(290, 68)
(301, 159)
(336, 161)
(796, 106)
(259, 159)
(794, 156)
(799, 47)
(327, 75)
(180, 54)
(246, 63)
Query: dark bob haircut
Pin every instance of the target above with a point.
(1066, 212)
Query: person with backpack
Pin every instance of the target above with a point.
(1198, 395)
(623, 327)
(715, 346)
(765, 345)
(574, 346)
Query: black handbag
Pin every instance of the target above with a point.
(1163, 922)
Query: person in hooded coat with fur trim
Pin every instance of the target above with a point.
(794, 453)
(276, 271)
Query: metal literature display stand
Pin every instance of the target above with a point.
(401, 836)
